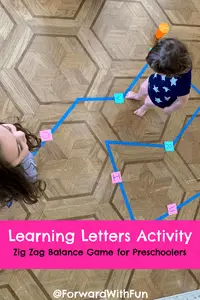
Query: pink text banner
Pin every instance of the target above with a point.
(100, 245)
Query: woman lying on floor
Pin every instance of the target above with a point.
(18, 173)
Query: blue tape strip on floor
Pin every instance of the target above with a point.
(184, 203)
(137, 144)
(55, 127)
(66, 114)
(186, 126)
(140, 144)
(95, 99)
(121, 186)
(127, 203)
(58, 124)
(111, 157)
(137, 78)
(189, 200)
(195, 88)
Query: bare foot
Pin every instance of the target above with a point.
(132, 95)
(140, 112)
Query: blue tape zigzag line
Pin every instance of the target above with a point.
(95, 99)
(91, 99)
(136, 144)
(66, 114)
(190, 120)
(137, 78)
(78, 100)
(127, 203)
(124, 143)
(121, 186)
(112, 160)
(186, 126)
(108, 143)
(62, 119)
(189, 200)
(162, 217)
(195, 88)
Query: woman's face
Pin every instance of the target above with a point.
(10, 141)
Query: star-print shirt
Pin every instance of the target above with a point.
(163, 90)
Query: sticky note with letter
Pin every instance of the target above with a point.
(169, 146)
(119, 98)
(46, 135)
(116, 177)
(172, 209)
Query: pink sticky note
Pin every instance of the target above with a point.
(46, 135)
(116, 177)
(172, 209)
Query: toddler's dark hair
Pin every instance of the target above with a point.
(169, 57)
(14, 185)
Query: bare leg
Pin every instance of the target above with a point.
(143, 91)
(145, 107)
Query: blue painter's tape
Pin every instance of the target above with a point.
(136, 79)
(162, 217)
(189, 200)
(58, 124)
(95, 99)
(36, 151)
(10, 204)
(122, 189)
(186, 126)
(136, 144)
(120, 184)
(111, 157)
(119, 98)
(169, 146)
(66, 114)
(186, 202)
(195, 88)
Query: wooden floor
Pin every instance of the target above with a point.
(52, 51)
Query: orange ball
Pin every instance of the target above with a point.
(162, 30)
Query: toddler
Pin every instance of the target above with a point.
(18, 173)
(169, 87)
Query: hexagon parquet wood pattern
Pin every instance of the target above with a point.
(53, 51)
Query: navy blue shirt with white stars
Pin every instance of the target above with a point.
(163, 90)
